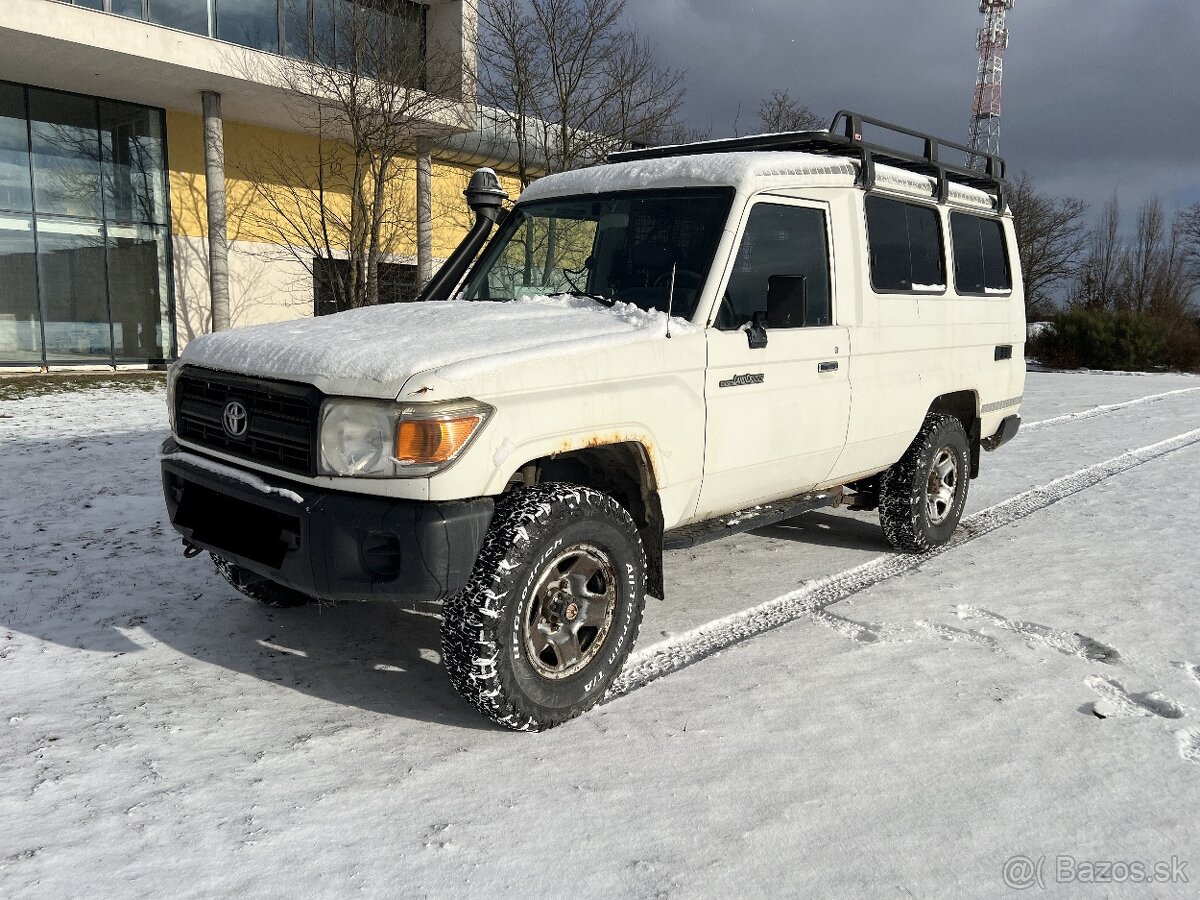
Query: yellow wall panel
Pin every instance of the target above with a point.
(272, 189)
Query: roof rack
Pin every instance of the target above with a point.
(845, 138)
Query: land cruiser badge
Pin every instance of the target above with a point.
(739, 380)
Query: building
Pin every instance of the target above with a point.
(128, 126)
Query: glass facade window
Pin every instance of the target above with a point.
(85, 254)
(251, 23)
(66, 154)
(72, 286)
(133, 152)
(20, 322)
(186, 15)
(15, 189)
(135, 9)
(299, 28)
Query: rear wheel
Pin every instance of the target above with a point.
(551, 610)
(921, 498)
(258, 588)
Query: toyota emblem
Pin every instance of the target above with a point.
(235, 419)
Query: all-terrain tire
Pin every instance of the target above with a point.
(488, 626)
(919, 505)
(263, 590)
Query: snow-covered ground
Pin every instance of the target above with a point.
(806, 715)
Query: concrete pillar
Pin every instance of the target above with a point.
(218, 243)
(424, 214)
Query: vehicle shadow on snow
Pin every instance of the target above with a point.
(375, 656)
(843, 530)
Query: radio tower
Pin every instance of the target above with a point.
(985, 109)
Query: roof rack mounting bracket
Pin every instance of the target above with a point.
(866, 177)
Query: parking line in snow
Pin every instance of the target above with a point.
(682, 650)
(1103, 410)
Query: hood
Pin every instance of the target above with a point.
(372, 352)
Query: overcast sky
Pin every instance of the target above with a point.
(1099, 95)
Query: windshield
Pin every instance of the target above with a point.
(612, 247)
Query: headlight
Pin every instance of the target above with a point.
(372, 439)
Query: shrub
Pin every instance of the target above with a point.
(1096, 339)
(1182, 350)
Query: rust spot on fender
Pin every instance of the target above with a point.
(603, 439)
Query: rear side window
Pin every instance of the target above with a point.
(980, 257)
(906, 247)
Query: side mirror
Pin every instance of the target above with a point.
(786, 298)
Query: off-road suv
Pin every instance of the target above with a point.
(678, 345)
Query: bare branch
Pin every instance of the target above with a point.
(1051, 238)
(780, 112)
(573, 82)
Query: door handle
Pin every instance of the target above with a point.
(830, 366)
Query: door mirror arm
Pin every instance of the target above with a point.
(756, 331)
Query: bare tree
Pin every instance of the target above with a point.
(1155, 275)
(780, 112)
(1100, 273)
(1144, 275)
(1189, 236)
(574, 83)
(1144, 256)
(1051, 238)
(364, 95)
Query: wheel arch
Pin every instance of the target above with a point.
(622, 469)
(964, 406)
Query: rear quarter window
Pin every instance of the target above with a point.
(905, 241)
(980, 255)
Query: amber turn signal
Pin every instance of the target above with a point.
(431, 441)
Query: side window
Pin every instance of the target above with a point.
(779, 240)
(980, 255)
(906, 246)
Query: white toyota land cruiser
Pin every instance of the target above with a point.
(643, 352)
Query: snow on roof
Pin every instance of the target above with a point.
(748, 172)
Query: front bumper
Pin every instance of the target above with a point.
(326, 544)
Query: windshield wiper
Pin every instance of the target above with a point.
(607, 301)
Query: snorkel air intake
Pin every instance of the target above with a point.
(486, 199)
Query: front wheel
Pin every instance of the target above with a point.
(551, 610)
(921, 498)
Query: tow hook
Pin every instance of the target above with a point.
(190, 550)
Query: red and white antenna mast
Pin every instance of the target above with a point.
(985, 109)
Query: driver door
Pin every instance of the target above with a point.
(777, 415)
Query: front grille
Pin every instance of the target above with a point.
(281, 418)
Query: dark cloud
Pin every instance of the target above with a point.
(1099, 95)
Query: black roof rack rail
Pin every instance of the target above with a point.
(845, 138)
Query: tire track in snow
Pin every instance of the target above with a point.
(690, 647)
(1103, 410)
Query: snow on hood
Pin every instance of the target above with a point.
(375, 350)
